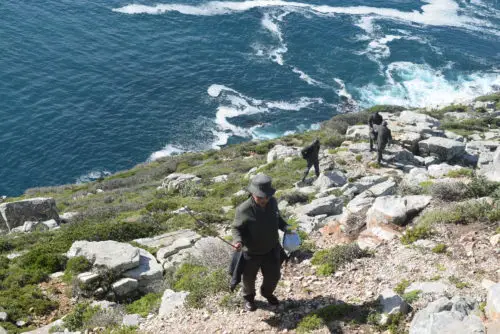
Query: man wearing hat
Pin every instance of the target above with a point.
(255, 231)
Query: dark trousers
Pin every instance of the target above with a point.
(270, 266)
(314, 163)
(373, 137)
(380, 150)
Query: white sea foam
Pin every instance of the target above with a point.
(168, 150)
(305, 77)
(419, 85)
(434, 12)
(234, 104)
(270, 23)
(92, 176)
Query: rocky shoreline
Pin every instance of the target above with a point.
(427, 219)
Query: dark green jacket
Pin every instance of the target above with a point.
(384, 136)
(257, 228)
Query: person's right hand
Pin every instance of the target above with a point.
(238, 246)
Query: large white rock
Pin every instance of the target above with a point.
(392, 303)
(149, 273)
(167, 239)
(171, 301)
(411, 117)
(112, 255)
(124, 287)
(281, 152)
(444, 148)
(175, 181)
(444, 316)
(493, 302)
(330, 179)
(360, 185)
(330, 205)
(354, 216)
(493, 172)
(395, 209)
(416, 176)
(358, 132)
(14, 214)
(441, 170)
(173, 248)
(382, 189)
(220, 178)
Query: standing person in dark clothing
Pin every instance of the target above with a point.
(374, 122)
(384, 138)
(255, 231)
(311, 154)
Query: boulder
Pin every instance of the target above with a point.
(398, 154)
(354, 217)
(441, 170)
(493, 172)
(220, 178)
(14, 214)
(112, 255)
(88, 278)
(330, 179)
(125, 287)
(382, 189)
(149, 273)
(358, 132)
(131, 320)
(392, 303)
(281, 152)
(330, 205)
(3, 316)
(444, 148)
(432, 160)
(171, 301)
(411, 117)
(310, 224)
(175, 181)
(416, 176)
(395, 209)
(373, 237)
(173, 248)
(167, 239)
(69, 217)
(51, 224)
(360, 185)
(493, 302)
(444, 316)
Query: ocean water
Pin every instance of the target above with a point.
(92, 87)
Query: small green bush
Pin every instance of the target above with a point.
(359, 157)
(448, 191)
(147, 304)
(458, 283)
(309, 323)
(401, 286)
(75, 266)
(462, 213)
(329, 260)
(463, 172)
(439, 248)
(480, 187)
(80, 316)
(421, 231)
(27, 300)
(200, 282)
(411, 296)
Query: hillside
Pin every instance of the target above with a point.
(386, 246)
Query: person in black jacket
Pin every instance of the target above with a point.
(311, 154)
(374, 122)
(255, 232)
(384, 138)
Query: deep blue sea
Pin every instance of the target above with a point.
(91, 87)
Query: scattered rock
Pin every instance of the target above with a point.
(3, 316)
(493, 303)
(220, 178)
(175, 181)
(69, 217)
(281, 152)
(131, 320)
(112, 255)
(444, 148)
(14, 214)
(392, 303)
(444, 316)
(171, 301)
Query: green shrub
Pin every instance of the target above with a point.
(325, 269)
(448, 191)
(20, 302)
(411, 296)
(462, 213)
(359, 157)
(149, 303)
(80, 316)
(480, 187)
(42, 258)
(310, 323)
(323, 316)
(200, 282)
(495, 97)
(458, 283)
(463, 172)
(75, 266)
(401, 286)
(329, 260)
(421, 231)
(237, 200)
(439, 248)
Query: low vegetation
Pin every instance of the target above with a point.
(421, 231)
(329, 260)
(323, 316)
(147, 304)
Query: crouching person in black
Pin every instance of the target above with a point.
(311, 154)
(255, 231)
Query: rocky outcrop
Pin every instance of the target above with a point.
(330, 179)
(330, 205)
(148, 274)
(445, 149)
(175, 181)
(358, 132)
(492, 170)
(14, 214)
(392, 303)
(445, 316)
(280, 152)
(493, 303)
(395, 209)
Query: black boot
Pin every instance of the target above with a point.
(250, 306)
(273, 300)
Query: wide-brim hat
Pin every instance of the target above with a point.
(261, 186)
